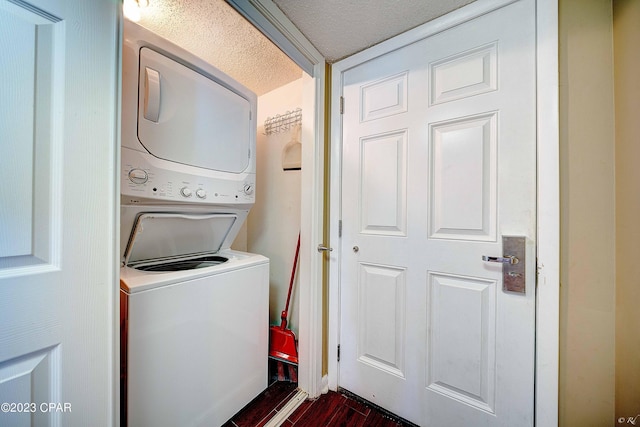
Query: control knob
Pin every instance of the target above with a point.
(138, 176)
(248, 189)
(201, 193)
(186, 192)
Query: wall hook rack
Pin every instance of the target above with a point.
(282, 122)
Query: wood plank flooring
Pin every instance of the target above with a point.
(331, 409)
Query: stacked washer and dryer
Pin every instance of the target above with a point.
(194, 313)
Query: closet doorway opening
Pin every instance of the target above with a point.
(231, 36)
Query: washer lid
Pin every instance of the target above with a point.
(168, 235)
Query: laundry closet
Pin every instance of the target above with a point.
(216, 34)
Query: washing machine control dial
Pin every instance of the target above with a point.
(186, 192)
(248, 189)
(201, 193)
(138, 176)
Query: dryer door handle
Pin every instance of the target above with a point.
(151, 94)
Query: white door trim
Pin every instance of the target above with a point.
(269, 19)
(548, 295)
(311, 233)
(547, 308)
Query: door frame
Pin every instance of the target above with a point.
(273, 23)
(548, 208)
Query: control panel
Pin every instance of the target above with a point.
(143, 178)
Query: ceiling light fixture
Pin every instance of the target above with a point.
(131, 9)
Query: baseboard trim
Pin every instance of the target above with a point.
(288, 409)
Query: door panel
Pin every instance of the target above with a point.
(384, 98)
(438, 164)
(29, 198)
(466, 74)
(463, 178)
(57, 206)
(461, 344)
(381, 320)
(383, 190)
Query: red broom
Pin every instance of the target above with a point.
(283, 340)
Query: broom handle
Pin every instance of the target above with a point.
(293, 274)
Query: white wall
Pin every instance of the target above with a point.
(274, 221)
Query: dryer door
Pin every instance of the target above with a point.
(167, 235)
(187, 117)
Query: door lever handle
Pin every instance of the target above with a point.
(513, 271)
(322, 248)
(507, 259)
(514, 265)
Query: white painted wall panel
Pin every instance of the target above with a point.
(274, 221)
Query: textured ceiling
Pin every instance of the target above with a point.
(340, 28)
(215, 32)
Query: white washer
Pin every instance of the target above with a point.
(193, 326)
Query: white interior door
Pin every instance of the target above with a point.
(439, 152)
(58, 69)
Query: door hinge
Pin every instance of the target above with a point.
(338, 352)
(340, 228)
(342, 105)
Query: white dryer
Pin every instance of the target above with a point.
(194, 313)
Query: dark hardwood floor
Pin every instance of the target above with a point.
(331, 409)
